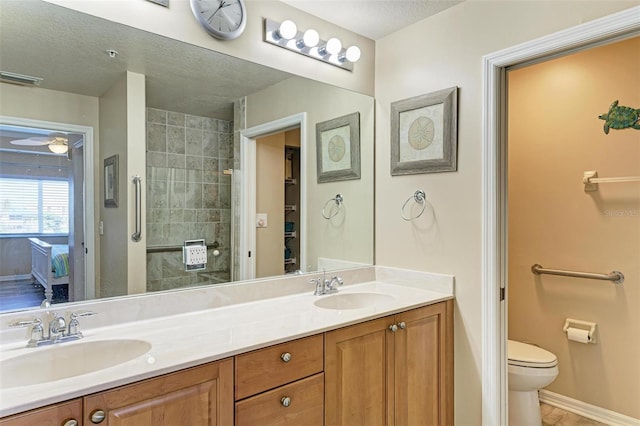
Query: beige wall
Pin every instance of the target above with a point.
(122, 131)
(349, 238)
(136, 166)
(554, 136)
(60, 107)
(443, 51)
(270, 201)
(113, 243)
(178, 22)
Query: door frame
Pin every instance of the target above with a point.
(619, 25)
(247, 186)
(88, 189)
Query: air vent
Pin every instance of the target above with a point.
(19, 79)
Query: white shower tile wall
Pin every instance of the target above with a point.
(188, 196)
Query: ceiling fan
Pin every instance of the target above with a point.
(56, 142)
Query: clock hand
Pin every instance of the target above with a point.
(221, 5)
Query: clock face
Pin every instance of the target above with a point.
(223, 19)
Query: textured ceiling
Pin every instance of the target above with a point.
(68, 50)
(373, 19)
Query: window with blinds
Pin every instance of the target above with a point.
(34, 206)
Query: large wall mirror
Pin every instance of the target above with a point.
(226, 148)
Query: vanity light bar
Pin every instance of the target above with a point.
(319, 51)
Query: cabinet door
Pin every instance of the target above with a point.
(196, 396)
(64, 414)
(424, 360)
(356, 361)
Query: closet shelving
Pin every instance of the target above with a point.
(291, 208)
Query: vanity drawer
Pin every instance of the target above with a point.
(299, 403)
(269, 368)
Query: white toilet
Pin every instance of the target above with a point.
(530, 368)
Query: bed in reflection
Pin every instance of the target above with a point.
(49, 264)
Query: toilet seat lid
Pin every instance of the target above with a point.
(525, 355)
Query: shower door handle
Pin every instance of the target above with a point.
(137, 235)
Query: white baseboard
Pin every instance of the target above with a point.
(15, 277)
(583, 409)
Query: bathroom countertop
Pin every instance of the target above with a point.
(188, 339)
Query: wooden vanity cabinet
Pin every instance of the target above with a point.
(68, 413)
(281, 385)
(196, 396)
(393, 371)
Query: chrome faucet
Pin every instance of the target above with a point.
(59, 331)
(57, 327)
(326, 285)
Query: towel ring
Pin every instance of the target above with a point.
(338, 201)
(420, 198)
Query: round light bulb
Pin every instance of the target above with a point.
(353, 54)
(334, 46)
(288, 29)
(311, 38)
(58, 147)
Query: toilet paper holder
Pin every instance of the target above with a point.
(589, 327)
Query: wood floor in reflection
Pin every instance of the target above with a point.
(27, 294)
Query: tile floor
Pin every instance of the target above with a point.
(553, 416)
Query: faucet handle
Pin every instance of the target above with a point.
(25, 323)
(73, 322)
(37, 332)
(78, 314)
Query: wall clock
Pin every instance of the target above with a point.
(222, 19)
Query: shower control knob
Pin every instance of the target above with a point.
(393, 328)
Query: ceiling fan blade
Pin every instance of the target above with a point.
(39, 141)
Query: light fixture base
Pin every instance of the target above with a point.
(270, 36)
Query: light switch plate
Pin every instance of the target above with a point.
(261, 220)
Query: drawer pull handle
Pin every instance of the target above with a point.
(97, 416)
(393, 328)
(402, 325)
(285, 401)
(286, 357)
(70, 422)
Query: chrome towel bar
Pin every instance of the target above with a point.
(616, 276)
(137, 235)
(162, 249)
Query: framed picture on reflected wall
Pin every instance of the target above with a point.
(338, 148)
(424, 133)
(111, 181)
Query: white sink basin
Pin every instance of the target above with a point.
(65, 360)
(353, 300)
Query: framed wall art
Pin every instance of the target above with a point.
(111, 181)
(338, 148)
(424, 133)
